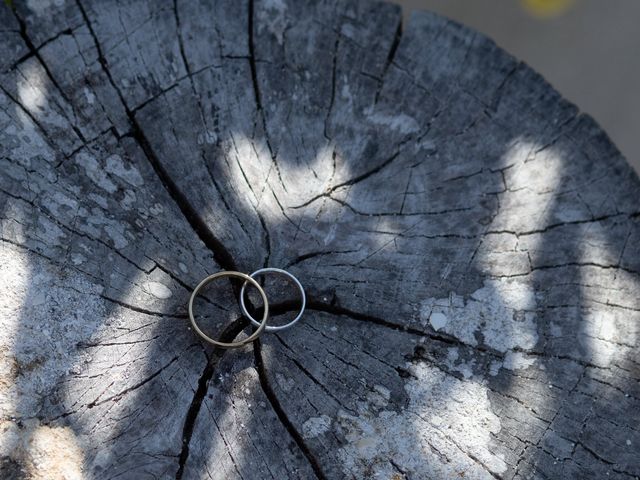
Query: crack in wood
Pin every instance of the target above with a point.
(390, 57)
(284, 419)
(229, 333)
(333, 88)
(379, 226)
(257, 94)
(35, 52)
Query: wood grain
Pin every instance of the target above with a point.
(469, 242)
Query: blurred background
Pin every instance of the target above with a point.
(588, 49)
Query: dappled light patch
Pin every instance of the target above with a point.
(467, 241)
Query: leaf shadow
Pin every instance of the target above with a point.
(364, 193)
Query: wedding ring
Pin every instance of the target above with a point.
(247, 279)
(278, 272)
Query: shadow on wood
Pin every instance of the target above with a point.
(468, 241)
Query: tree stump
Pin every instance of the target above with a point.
(469, 242)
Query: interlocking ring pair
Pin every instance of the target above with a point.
(262, 325)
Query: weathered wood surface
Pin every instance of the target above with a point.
(469, 241)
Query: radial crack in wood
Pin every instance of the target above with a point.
(469, 243)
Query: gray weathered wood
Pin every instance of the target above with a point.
(469, 241)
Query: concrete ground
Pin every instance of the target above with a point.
(588, 49)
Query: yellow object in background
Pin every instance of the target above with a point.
(547, 8)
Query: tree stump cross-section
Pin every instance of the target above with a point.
(469, 242)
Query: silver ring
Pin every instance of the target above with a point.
(280, 272)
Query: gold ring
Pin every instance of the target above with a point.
(246, 278)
